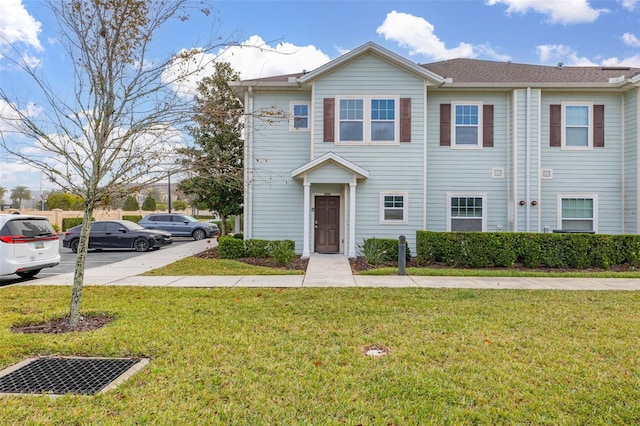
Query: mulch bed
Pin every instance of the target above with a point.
(297, 264)
(61, 325)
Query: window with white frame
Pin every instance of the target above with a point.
(466, 129)
(577, 127)
(577, 212)
(466, 212)
(393, 207)
(367, 120)
(299, 116)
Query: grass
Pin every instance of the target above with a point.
(464, 272)
(202, 267)
(295, 356)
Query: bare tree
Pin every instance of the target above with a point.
(125, 115)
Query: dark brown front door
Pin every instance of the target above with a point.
(327, 224)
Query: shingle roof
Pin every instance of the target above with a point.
(480, 71)
(487, 72)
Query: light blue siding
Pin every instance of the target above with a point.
(467, 170)
(397, 167)
(631, 162)
(575, 171)
(277, 198)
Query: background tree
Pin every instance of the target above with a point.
(217, 161)
(61, 200)
(130, 204)
(180, 204)
(3, 191)
(18, 194)
(156, 194)
(123, 116)
(149, 204)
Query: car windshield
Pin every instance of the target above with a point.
(190, 218)
(131, 225)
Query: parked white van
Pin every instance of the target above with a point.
(27, 244)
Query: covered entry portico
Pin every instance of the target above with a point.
(329, 208)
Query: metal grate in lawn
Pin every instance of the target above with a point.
(62, 375)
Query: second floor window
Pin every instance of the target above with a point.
(300, 116)
(466, 129)
(370, 120)
(576, 126)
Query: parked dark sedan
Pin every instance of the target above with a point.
(118, 234)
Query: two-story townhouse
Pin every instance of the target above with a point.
(374, 145)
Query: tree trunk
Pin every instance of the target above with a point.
(78, 276)
(223, 224)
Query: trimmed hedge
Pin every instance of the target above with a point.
(70, 222)
(234, 247)
(133, 218)
(504, 249)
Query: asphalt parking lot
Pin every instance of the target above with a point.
(95, 258)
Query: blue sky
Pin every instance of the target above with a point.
(574, 32)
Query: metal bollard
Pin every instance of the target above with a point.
(402, 255)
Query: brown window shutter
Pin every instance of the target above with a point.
(555, 125)
(598, 126)
(445, 124)
(405, 119)
(329, 119)
(487, 126)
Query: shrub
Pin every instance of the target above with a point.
(70, 222)
(230, 248)
(257, 248)
(373, 251)
(282, 251)
(133, 217)
(55, 227)
(378, 250)
(130, 204)
(482, 249)
(149, 204)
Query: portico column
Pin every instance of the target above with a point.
(306, 252)
(352, 220)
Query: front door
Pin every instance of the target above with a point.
(327, 224)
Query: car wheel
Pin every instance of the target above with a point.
(73, 245)
(199, 234)
(28, 274)
(141, 244)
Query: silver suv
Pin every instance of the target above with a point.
(180, 225)
(27, 244)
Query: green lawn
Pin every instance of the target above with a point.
(201, 267)
(295, 356)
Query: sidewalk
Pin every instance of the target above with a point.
(324, 270)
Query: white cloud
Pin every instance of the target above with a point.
(632, 61)
(253, 58)
(554, 53)
(17, 26)
(629, 4)
(418, 34)
(630, 40)
(557, 12)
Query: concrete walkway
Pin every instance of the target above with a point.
(324, 270)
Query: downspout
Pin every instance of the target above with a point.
(248, 163)
(528, 162)
(514, 157)
(539, 144)
(623, 179)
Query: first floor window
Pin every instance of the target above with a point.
(393, 208)
(466, 213)
(577, 213)
(300, 116)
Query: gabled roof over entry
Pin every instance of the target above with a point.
(330, 158)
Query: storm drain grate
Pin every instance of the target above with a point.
(61, 375)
